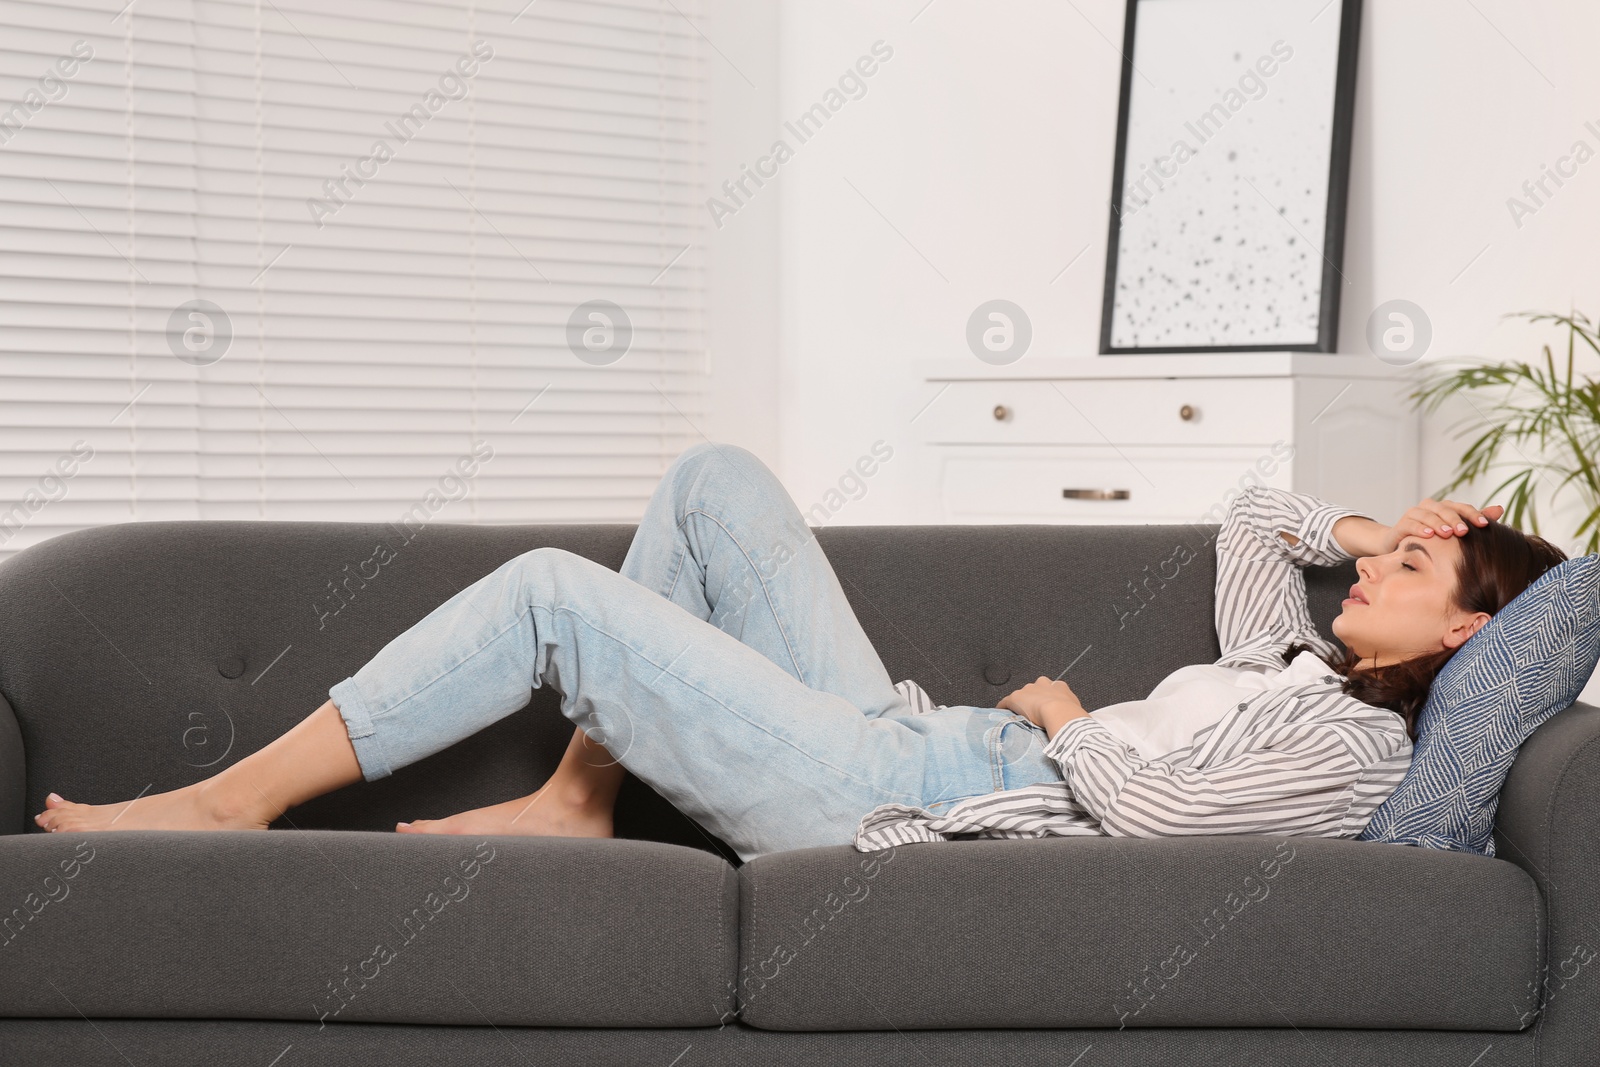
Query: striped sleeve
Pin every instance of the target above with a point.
(1261, 592)
(1295, 770)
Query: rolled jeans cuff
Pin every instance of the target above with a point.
(352, 706)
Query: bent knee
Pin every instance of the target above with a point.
(548, 560)
(712, 463)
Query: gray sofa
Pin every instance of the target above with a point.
(137, 657)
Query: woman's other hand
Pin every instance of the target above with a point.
(1045, 702)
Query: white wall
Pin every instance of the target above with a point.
(977, 166)
(987, 141)
(742, 320)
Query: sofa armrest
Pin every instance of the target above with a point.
(1548, 823)
(1553, 790)
(13, 772)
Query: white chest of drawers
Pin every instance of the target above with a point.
(1161, 438)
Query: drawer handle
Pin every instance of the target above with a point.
(1095, 494)
(1187, 413)
(1001, 413)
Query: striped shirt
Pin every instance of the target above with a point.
(1301, 759)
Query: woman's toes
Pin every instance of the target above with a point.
(51, 815)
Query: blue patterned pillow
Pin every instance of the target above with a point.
(1527, 663)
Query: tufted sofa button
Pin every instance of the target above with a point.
(230, 666)
(995, 675)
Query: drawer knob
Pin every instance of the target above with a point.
(1095, 494)
(1001, 413)
(1187, 413)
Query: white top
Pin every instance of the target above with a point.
(1194, 697)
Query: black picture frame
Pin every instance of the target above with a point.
(1338, 193)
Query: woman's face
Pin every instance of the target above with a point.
(1403, 605)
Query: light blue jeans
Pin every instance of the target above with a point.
(723, 666)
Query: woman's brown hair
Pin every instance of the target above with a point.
(1497, 563)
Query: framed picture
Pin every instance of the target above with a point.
(1232, 164)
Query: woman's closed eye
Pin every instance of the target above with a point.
(1408, 566)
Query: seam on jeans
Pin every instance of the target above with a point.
(776, 617)
(345, 712)
(929, 805)
(997, 773)
(388, 760)
(672, 586)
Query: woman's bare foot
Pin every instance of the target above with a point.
(544, 813)
(200, 806)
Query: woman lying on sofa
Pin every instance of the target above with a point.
(724, 667)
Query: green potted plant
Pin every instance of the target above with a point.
(1534, 418)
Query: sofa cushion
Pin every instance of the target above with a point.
(356, 926)
(1530, 661)
(1107, 932)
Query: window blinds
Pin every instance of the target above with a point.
(283, 259)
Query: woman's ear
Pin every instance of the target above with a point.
(1467, 625)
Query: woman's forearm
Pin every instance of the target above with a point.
(1361, 536)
